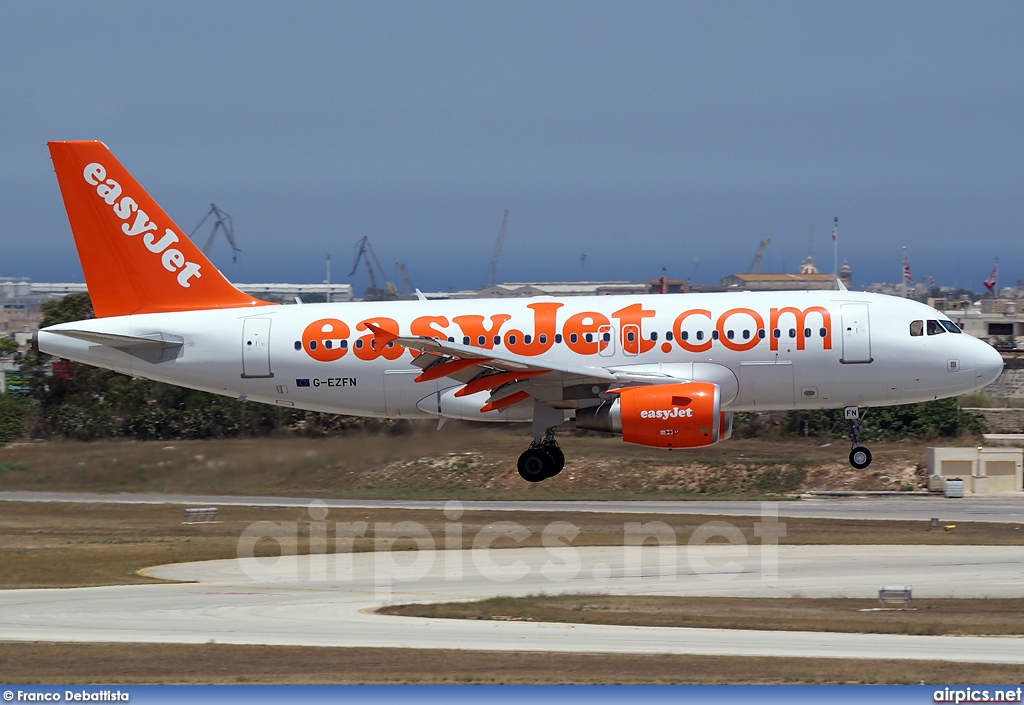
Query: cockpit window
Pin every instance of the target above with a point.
(917, 328)
(934, 328)
(951, 327)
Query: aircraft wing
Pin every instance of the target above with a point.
(512, 378)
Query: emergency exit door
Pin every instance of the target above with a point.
(256, 348)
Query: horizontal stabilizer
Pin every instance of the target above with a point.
(151, 341)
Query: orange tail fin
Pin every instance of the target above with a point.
(135, 259)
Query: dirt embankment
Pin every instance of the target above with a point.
(452, 463)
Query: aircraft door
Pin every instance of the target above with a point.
(606, 341)
(631, 339)
(256, 348)
(856, 334)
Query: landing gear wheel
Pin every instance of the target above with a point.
(558, 458)
(535, 465)
(860, 457)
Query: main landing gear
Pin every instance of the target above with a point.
(542, 459)
(860, 457)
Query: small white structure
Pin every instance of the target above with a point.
(984, 470)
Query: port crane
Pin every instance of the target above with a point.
(405, 277)
(755, 266)
(222, 222)
(497, 252)
(364, 253)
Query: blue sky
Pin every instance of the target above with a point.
(645, 134)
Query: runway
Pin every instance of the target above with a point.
(325, 600)
(998, 508)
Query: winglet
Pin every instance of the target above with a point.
(135, 258)
(381, 336)
(840, 285)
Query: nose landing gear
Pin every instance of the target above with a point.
(543, 459)
(860, 457)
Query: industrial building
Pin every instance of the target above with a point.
(983, 470)
(523, 289)
(999, 322)
(807, 277)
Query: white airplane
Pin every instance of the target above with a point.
(665, 371)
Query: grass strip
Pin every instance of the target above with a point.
(927, 617)
(49, 663)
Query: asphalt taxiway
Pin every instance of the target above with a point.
(994, 508)
(323, 600)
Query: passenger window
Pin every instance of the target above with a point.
(823, 332)
(359, 343)
(700, 335)
(450, 340)
(654, 336)
(497, 340)
(312, 345)
(792, 332)
(746, 335)
(686, 335)
(465, 340)
(807, 332)
(589, 337)
(760, 333)
(630, 336)
(573, 338)
(558, 338)
(776, 333)
(729, 334)
(542, 338)
(951, 327)
(481, 341)
(328, 344)
(527, 339)
(714, 335)
(916, 328)
(934, 328)
(607, 337)
(511, 340)
(298, 345)
(344, 345)
(668, 336)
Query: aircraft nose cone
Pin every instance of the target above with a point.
(989, 365)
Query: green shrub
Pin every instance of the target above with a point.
(12, 418)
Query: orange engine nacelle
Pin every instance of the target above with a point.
(686, 415)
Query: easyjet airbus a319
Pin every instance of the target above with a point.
(665, 371)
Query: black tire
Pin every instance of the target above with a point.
(860, 457)
(558, 458)
(535, 465)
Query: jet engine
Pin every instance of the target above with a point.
(685, 415)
